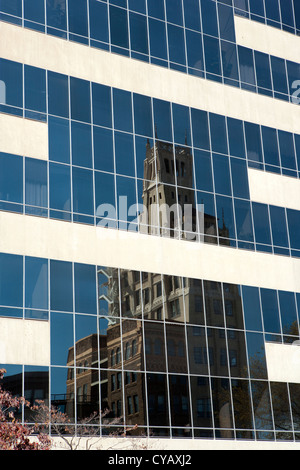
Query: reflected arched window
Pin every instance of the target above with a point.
(113, 357)
(127, 350)
(134, 347)
(118, 356)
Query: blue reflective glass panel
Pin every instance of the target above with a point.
(81, 144)
(118, 27)
(102, 109)
(36, 182)
(103, 149)
(80, 100)
(122, 110)
(36, 283)
(252, 310)
(61, 286)
(82, 191)
(59, 187)
(59, 140)
(85, 288)
(58, 95)
(11, 280)
(11, 178)
(270, 310)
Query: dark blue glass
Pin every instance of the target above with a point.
(80, 100)
(236, 137)
(287, 149)
(252, 310)
(138, 33)
(162, 120)
(203, 170)
(174, 11)
(156, 8)
(81, 144)
(124, 152)
(243, 220)
(212, 55)
(11, 74)
(287, 14)
(143, 120)
(35, 89)
(192, 14)
(11, 280)
(105, 195)
(11, 178)
(270, 145)
(103, 149)
(200, 129)
(58, 94)
(279, 226)
(229, 60)
(239, 175)
(62, 340)
(158, 39)
(226, 22)
(118, 27)
(209, 17)
(261, 223)
(293, 218)
(253, 142)
(218, 133)
(288, 313)
(12, 7)
(56, 14)
(36, 283)
(181, 124)
(122, 110)
(272, 10)
(176, 44)
(98, 18)
(222, 175)
(194, 50)
(61, 286)
(34, 11)
(59, 187)
(59, 140)
(257, 7)
(82, 191)
(78, 17)
(36, 182)
(297, 14)
(102, 109)
(137, 5)
(225, 217)
(279, 75)
(246, 62)
(126, 201)
(270, 310)
(263, 70)
(85, 288)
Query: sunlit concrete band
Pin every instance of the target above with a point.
(274, 189)
(24, 342)
(79, 243)
(25, 137)
(283, 362)
(267, 39)
(77, 60)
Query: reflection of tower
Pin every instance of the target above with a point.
(87, 379)
(164, 167)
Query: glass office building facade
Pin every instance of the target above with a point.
(178, 355)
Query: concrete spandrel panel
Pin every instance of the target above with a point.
(24, 342)
(283, 362)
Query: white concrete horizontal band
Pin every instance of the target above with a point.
(24, 342)
(274, 189)
(52, 239)
(283, 362)
(267, 39)
(77, 60)
(24, 137)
